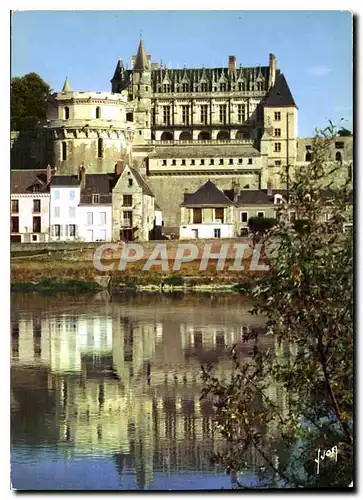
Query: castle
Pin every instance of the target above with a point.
(235, 126)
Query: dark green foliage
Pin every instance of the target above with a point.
(291, 400)
(28, 101)
(343, 132)
(261, 225)
(53, 285)
(174, 280)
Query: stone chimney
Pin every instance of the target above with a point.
(272, 72)
(232, 64)
(119, 167)
(269, 187)
(82, 176)
(49, 173)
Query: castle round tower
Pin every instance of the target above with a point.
(89, 128)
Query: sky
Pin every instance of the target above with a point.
(314, 49)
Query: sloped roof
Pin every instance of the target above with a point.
(207, 195)
(23, 181)
(197, 151)
(141, 182)
(65, 180)
(258, 196)
(141, 61)
(280, 94)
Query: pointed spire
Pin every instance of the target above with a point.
(141, 61)
(119, 70)
(66, 86)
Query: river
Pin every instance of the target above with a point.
(105, 391)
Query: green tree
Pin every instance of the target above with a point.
(260, 225)
(343, 132)
(288, 402)
(28, 101)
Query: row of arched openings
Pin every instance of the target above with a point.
(223, 135)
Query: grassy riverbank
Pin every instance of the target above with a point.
(81, 276)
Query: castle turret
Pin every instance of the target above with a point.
(141, 90)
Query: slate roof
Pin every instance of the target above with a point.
(258, 196)
(280, 94)
(141, 61)
(206, 195)
(141, 182)
(65, 180)
(23, 181)
(217, 151)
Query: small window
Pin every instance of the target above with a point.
(36, 188)
(64, 151)
(277, 132)
(277, 147)
(202, 162)
(260, 215)
(15, 224)
(292, 216)
(174, 162)
(217, 233)
(14, 206)
(36, 224)
(146, 89)
(98, 112)
(221, 161)
(250, 161)
(72, 212)
(56, 229)
(244, 216)
(102, 218)
(127, 200)
(89, 218)
(164, 162)
(56, 195)
(339, 145)
(34, 237)
(130, 182)
(57, 212)
(183, 162)
(36, 206)
(338, 156)
(192, 162)
(231, 161)
(72, 230)
(100, 148)
(277, 116)
(66, 113)
(240, 161)
(72, 195)
(140, 132)
(277, 163)
(95, 198)
(308, 156)
(211, 162)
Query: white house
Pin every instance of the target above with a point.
(81, 207)
(207, 213)
(30, 205)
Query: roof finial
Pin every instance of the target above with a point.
(66, 86)
(140, 34)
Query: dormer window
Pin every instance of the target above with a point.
(277, 199)
(203, 87)
(36, 188)
(95, 199)
(166, 87)
(185, 87)
(223, 87)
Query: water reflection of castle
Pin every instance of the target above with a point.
(121, 386)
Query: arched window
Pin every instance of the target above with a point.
(100, 148)
(64, 151)
(338, 156)
(66, 113)
(308, 156)
(223, 87)
(166, 87)
(98, 112)
(241, 86)
(204, 87)
(185, 87)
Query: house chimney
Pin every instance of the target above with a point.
(269, 187)
(49, 173)
(272, 71)
(119, 167)
(82, 176)
(231, 64)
